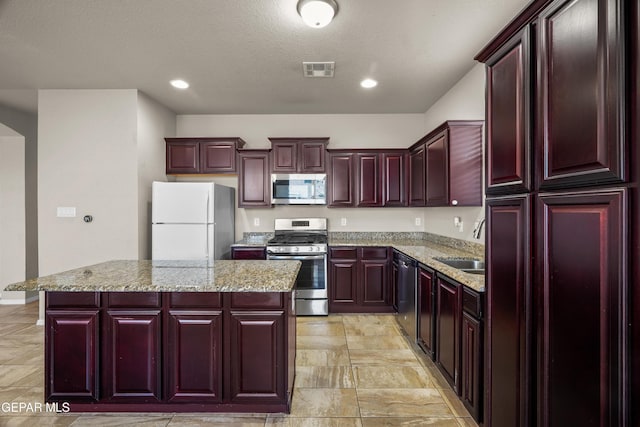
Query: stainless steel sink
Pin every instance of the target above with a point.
(464, 264)
(473, 270)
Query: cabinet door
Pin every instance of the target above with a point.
(426, 321)
(132, 356)
(508, 117)
(217, 157)
(254, 189)
(343, 285)
(311, 157)
(257, 357)
(417, 178)
(508, 319)
(373, 282)
(437, 193)
(471, 361)
(582, 330)
(183, 157)
(284, 156)
(72, 355)
(368, 179)
(582, 130)
(194, 359)
(448, 331)
(394, 179)
(340, 179)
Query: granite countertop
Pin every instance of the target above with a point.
(170, 276)
(424, 251)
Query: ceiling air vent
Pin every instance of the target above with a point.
(318, 69)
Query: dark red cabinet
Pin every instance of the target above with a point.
(132, 368)
(509, 117)
(582, 270)
(472, 349)
(417, 175)
(509, 312)
(359, 280)
(202, 155)
(254, 189)
(194, 356)
(72, 343)
(340, 179)
(368, 179)
(212, 350)
(257, 357)
(394, 178)
(448, 317)
(426, 306)
(248, 252)
(301, 155)
(436, 153)
(581, 83)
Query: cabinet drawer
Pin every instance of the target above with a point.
(73, 299)
(253, 300)
(343, 253)
(195, 299)
(133, 299)
(472, 302)
(373, 253)
(249, 253)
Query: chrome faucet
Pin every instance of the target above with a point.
(478, 230)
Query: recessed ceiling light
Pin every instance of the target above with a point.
(179, 84)
(368, 83)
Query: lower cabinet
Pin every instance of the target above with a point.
(426, 309)
(132, 356)
(359, 280)
(194, 356)
(448, 303)
(208, 349)
(472, 352)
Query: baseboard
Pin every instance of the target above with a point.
(16, 301)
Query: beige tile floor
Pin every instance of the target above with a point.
(351, 371)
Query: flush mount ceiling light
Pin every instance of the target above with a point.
(179, 84)
(368, 83)
(317, 13)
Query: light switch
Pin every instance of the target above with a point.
(66, 212)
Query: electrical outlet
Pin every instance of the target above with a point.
(460, 226)
(343, 221)
(457, 221)
(256, 222)
(418, 221)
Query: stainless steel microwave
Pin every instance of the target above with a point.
(298, 189)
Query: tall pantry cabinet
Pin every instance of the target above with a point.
(562, 216)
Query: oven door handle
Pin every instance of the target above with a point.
(295, 257)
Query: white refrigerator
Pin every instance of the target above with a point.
(192, 221)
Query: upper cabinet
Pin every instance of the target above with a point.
(253, 185)
(298, 155)
(508, 117)
(581, 93)
(340, 179)
(201, 155)
(446, 166)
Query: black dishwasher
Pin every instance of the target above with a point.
(407, 301)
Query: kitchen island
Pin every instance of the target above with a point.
(149, 336)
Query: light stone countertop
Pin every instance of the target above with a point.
(170, 276)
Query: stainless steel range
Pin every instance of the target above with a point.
(305, 240)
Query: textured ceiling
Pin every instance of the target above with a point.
(245, 56)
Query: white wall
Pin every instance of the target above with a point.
(155, 122)
(12, 214)
(344, 130)
(26, 125)
(87, 159)
(464, 101)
